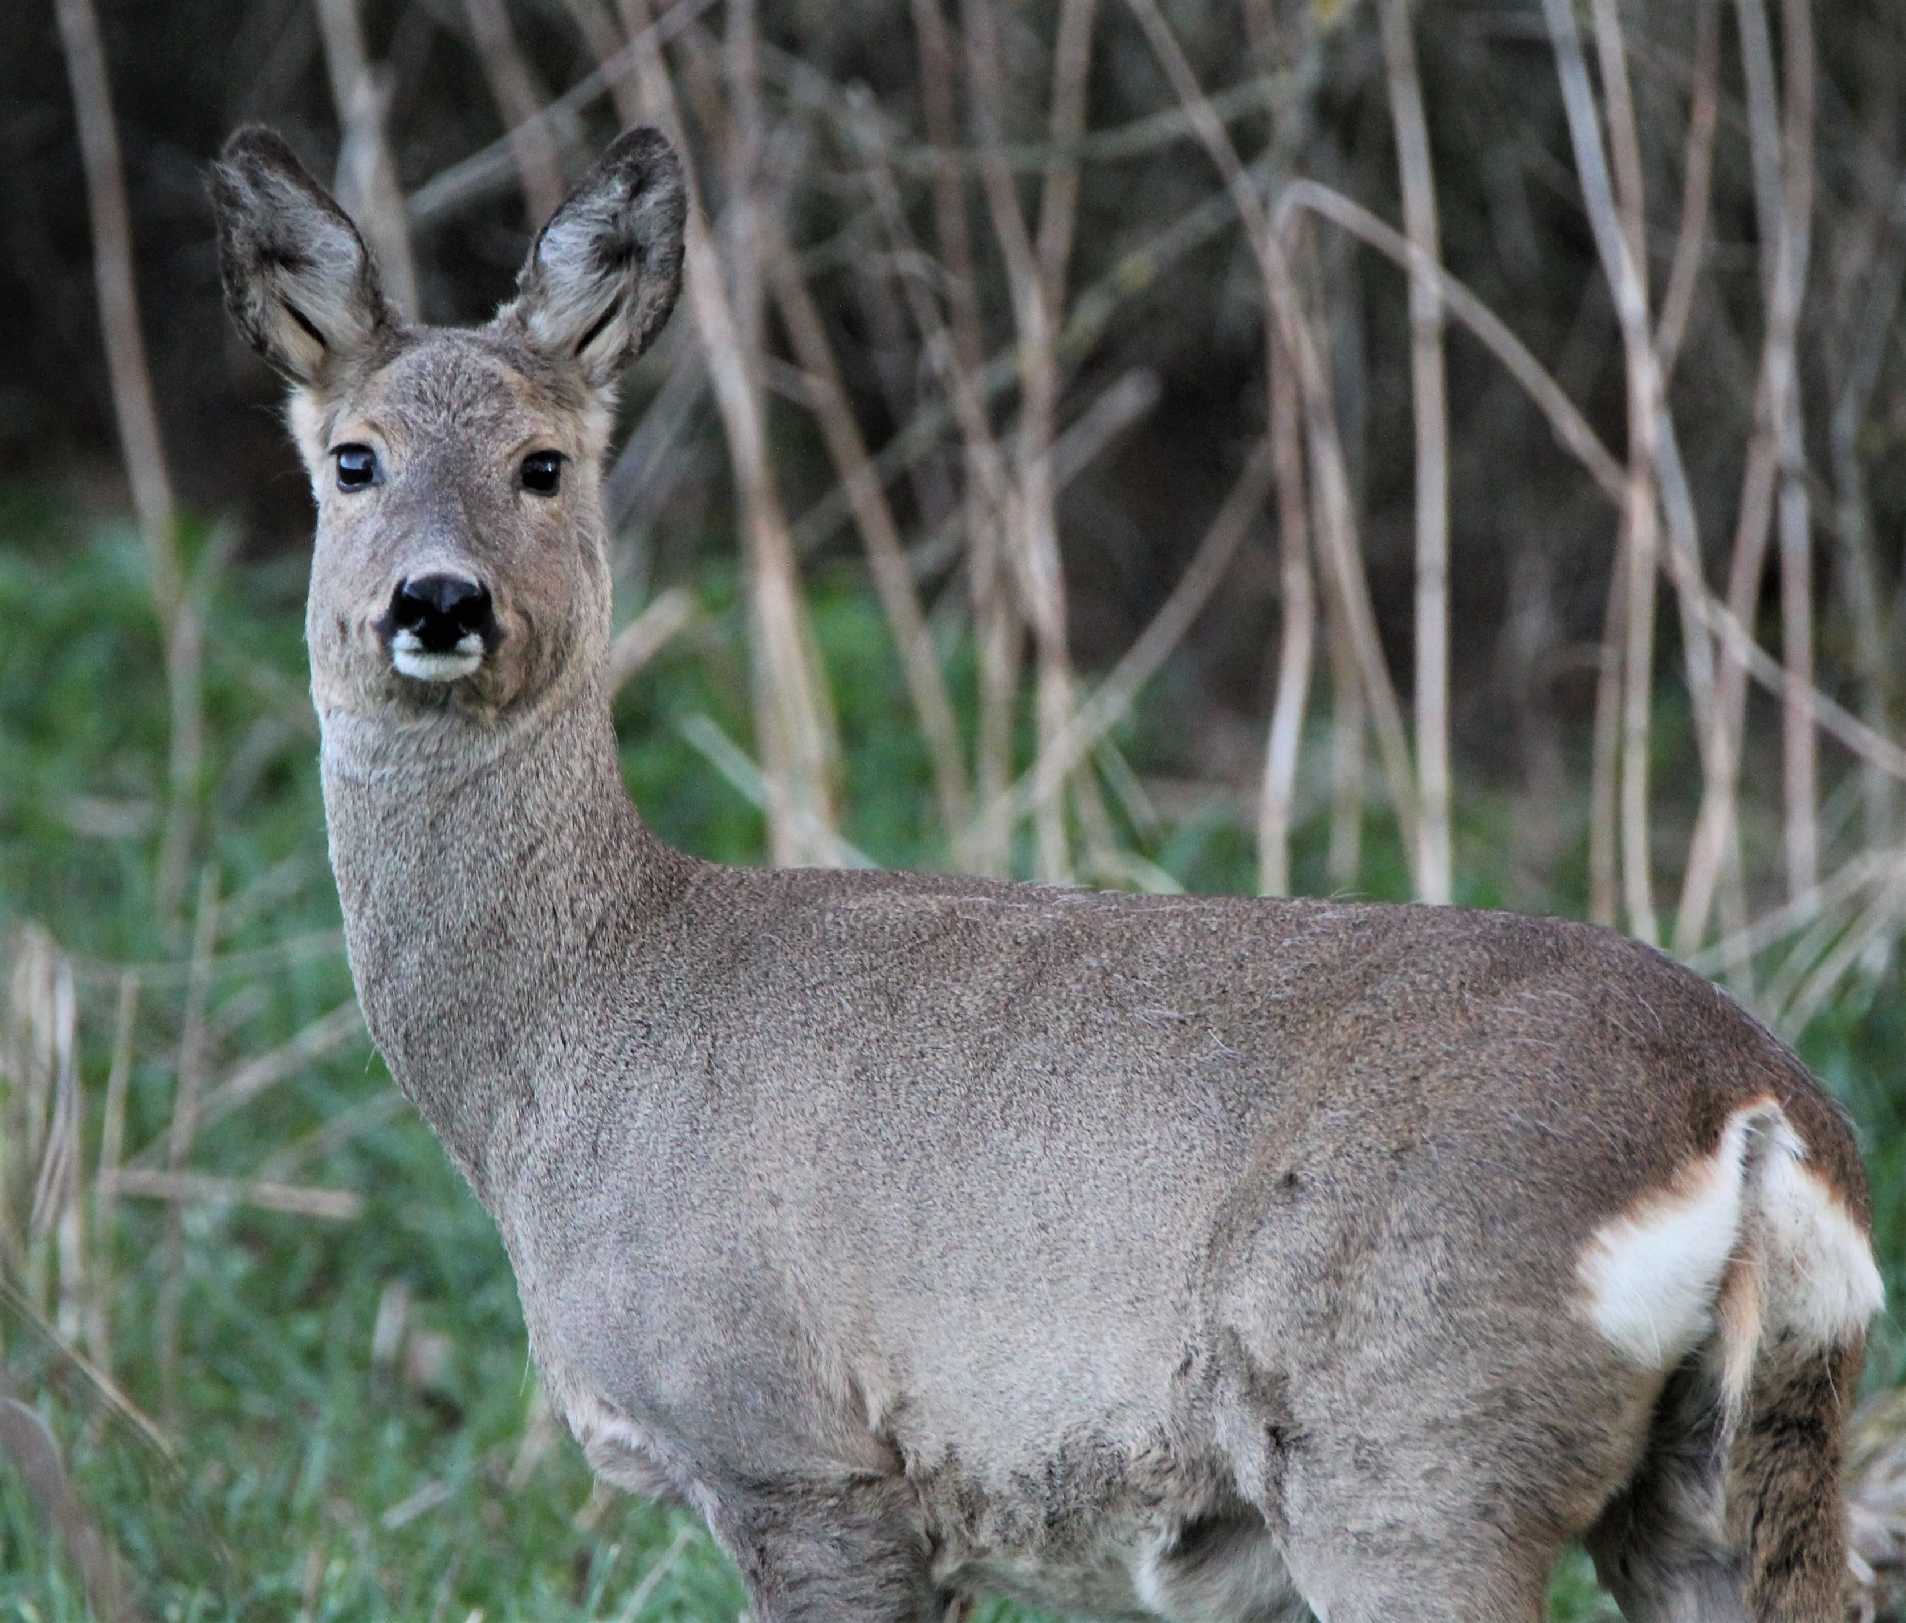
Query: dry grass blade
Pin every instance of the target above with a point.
(136, 414)
(685, 1536)
(324, 1035)
(22, 1108)
(353, 1122)
(112, 1143)
(1430, 397)
(41, 1127)
(1604, 841)
(189, 1082)
(1797, 912)
(181, 1189)
(26, 1440)
(638, 642)
(96, 1379)
(56, 1226)
(728, 758)
(1822, 959)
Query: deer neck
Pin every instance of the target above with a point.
(474, 863)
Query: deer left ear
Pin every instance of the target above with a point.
(605, 270)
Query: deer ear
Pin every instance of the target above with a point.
(298, 279)
(604, 272)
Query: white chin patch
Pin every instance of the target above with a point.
(412, 659)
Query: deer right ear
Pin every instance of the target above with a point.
(298, 279)
(605, 270)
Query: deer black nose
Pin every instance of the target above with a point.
(441, 610)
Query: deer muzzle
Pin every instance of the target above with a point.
(440, 627)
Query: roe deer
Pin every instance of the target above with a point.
(1199, 1259)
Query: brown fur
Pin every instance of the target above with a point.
(1200, 1258)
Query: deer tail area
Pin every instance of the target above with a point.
(1752, 1282)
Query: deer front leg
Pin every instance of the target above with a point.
(852, 1551)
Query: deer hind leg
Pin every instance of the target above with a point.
(1424, 1577)
(828, 1552)
(1458, 1516)
(1661, 1548)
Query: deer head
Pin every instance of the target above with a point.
(461, 569)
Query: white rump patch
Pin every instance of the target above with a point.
(409, 655)
(1654, 1274)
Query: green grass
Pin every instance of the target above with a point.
(306, 1477)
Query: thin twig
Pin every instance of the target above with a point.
(181, 1189)
(1619, 254)
(1033, 281)
(493, 168)
(1873, 653)
(1113, 697)
(521, 102)
(1697, 175)
(366, 171)
(112, 1149)
(1571, 429)
(1350, 591)
(880, 531)
(1093, 312)
(1715, 821)
(1276, 811)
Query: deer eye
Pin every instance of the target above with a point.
(543, 472)
(357, 467)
